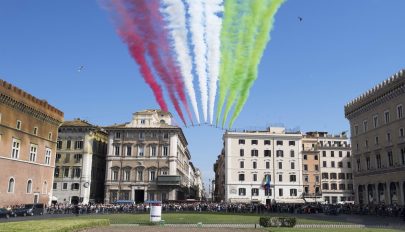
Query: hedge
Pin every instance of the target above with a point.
(277, 221)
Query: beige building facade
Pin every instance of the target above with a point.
(377, 125)
(147, 159)
(80, 163)
(28, 133)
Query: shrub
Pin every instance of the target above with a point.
(277, 221)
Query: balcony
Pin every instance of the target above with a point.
(168, 180)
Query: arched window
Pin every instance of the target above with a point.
(45, 188)
(11, 185)
(29, 186)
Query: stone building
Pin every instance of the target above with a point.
(250, 156)
(147, 159)
(80, 163)
(377, 125)
(311, 168)
(219, 170)
(28, 133)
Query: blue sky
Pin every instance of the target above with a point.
(310, 69)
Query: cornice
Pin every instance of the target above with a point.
(24, 108)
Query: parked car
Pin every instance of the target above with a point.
(30, 210)
(6, 213)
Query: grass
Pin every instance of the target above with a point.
(205, 218)
(330, 230)
(52, 225)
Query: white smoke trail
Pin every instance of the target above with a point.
(197, 29)
(174, 13)
(213, 33)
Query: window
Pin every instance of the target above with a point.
(375, 121)
(142, 135)
(279, 143)
(401, 132)
(305, 167)
(332, 154)
(358, 165)
(129, 150)
(280, 153)
(305, 157)
(254, 142)
(324, 164)
(349, 165)
(349, 176)
(293, 178)
(340, 164)
(117, 150)
(280, 192)
(323, 153)
(368, 163)
(293, 192)
(389, 137)
(255, 152)
(75, 186)
(55, 186)
(267, 153)
(317, 179)
(127, 174)
(152, 175)
(117, 135)
(266, 142)
(387, 117)
(15, 152)
(11, 183)
(165, 151)
(139, 175)
(403, 156)
(241, 141)
(114, 175)
(143, 121)
(332, 164)
(165, 135)
(292, 165)
(399, 112)
(280, 178)
(341, 176)
(64, 186)
(325, 175)
(340, 154)
(292, 154)
(316, 167)
(18, 126)
(306, 178)
(77, 172)
(242, 164)
(48, 153)
(153, 151)
(255, 192)
(50, 135)
(378, 160)
(365, 126)
(242, 192)
(165, 173)
(79, 144)
(333, 186)
(242, 152)
(65, 171)
(141, 151)
(33, 152)
(325, 186)
(68, 144)
(356, 130)
(316, 157)
(348, 154)
(254, 164)
(390, 159)
(280, 165)
(291, 143)
(241, 177)
(56, 172)
(376, 140)
(254, 177)
(29, 186)
(78, 158)
(59, 144)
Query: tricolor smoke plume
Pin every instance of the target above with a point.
(137, 48)
(262, 38)
(197, 30)
(175, 16)
(213, 31)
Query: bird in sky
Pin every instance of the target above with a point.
(300, 18)
(80, 69)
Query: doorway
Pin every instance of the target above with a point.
(139, 196)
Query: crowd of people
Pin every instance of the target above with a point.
(380, 210)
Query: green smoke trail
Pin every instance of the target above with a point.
(248, 28)
(263, 37)
(228, 42)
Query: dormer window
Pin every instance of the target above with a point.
(143, 121)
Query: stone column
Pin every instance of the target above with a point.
(387, 193)
(375, 192)
(401, 194)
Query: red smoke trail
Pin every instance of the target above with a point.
(173, 77)
(137, 48)
(156, 40)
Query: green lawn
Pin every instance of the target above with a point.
(52, 225)
(205, 218)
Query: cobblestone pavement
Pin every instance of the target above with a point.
(167, 229)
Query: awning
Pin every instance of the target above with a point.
(54, 198)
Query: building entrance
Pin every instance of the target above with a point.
(139, 196)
